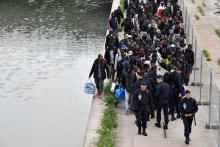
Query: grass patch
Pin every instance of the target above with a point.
(109, 122)
(122, 5)
(193, 1)
(207, 55)
(197, 17)
(201, 11)
(120, 28)
(218, 62)
(203, 4)
(217, 32)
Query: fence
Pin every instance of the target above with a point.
(203, 79)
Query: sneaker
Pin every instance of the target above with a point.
(157, 125)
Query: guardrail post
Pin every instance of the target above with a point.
(219, 119)
(200, 81)
(188, 20)
(195, 61)
(210, 125)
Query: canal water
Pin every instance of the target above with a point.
(46, 50)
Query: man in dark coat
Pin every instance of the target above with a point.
(99, 70)
(189, 56)
(119, 14)
(113, 22)
(128, 80)
(176, 86)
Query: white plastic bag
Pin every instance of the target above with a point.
(113, 87)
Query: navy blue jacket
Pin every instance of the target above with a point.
(163, 93)
(188, 106)
(143, 99)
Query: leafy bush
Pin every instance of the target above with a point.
(201, 11)
(206, 54)
(217, 32)
(203, 4)
(219, 62)
(197, 17)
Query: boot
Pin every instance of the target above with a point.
(178, 116)
(144, 132)
(166, 127)
(157, 125)
(173, 118)
(152, 115)
(187, 140)
(139, 130)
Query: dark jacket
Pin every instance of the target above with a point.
(163, 93)
(143, 99)
(128, 80)
(95, 69)
(113, 23)
(176, 82)
(189, 54)
(188, 106)
(137, 85)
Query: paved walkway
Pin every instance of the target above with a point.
(128, 137)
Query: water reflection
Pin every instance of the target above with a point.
(46, 50)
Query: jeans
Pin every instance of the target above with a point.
(127, 95)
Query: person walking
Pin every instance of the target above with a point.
(99, 70)
(188, 108)
(128, 80)
(144, 101)
(163, 94)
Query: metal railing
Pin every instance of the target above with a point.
(206, 88)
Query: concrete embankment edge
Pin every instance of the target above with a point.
(97, 107)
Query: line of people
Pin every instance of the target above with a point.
(153, 34)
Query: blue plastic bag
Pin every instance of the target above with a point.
(89, 88)
(120, 93)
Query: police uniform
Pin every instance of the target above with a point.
(163, 94)
(143, 100)
(188, 106)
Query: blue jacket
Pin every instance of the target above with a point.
(188, 106)
(163, 93)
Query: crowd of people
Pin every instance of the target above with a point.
(153, 36)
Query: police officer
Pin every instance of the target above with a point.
(188, 108)
(163, 94)
(144, 101)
